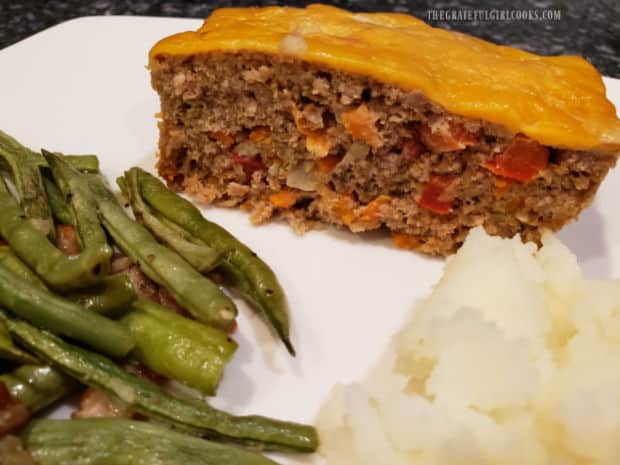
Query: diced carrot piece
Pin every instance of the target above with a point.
(328, 163)
(224, 139)
(522, 160)
(249, 164)
(298, 117)
(361, 124)
(437, 195)
(344, 209)
(317, 142)
(405, 241)
(283, 199)
(300, 121)
(260, 135)
(370, 213)
(247, 205)
(447, 137)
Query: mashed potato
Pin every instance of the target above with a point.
(513, 360)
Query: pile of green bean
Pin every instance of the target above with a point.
(68, 319)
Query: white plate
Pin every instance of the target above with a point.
(82, 87)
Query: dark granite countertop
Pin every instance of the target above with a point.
(587, 28)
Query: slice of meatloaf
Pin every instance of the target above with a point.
(279, 134)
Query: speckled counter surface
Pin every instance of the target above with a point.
(587, 28)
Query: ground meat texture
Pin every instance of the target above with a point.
(280, 137)
(13, 413)
(95, 403)
(67, 239)
(12, 452)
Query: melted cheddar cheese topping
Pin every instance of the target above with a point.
(558, 101)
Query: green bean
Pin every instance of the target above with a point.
(122, 184)
(75, 187)
(242, 268)
(177, 347)
(201, 297)
(87, 163)
(84, 163)
(196, 253)
(11, 261)
(24, 165)
(62, 316)
(175, 227)
(30, 245)
(37, 386)
(9, 351)
(117, 441)
(112, 296)
(8, 259)
(148, 399)
(60, 210)
(200, 256)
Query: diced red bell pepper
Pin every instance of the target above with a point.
(449, 137)
(522, 160)
(437, 195)
(249, 164)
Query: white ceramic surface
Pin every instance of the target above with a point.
(82, 87)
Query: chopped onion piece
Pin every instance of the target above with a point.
(303, 176)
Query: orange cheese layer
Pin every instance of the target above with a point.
(558, 101)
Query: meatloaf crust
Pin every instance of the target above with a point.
(271, 135)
